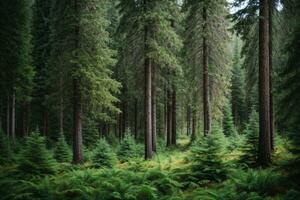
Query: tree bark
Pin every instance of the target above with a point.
(264, 150)
(153, 107)
(206, 106)
(135, 118)
(169, 118)
(13, 117)
(148, 89)
(8, 116)
(193, 136)
(77, 104)
(188, 120)
(270, 73)
(174, 123)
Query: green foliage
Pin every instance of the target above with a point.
(62, 151)
(207, 157)
(35, 158)
(128, 148)
(228, 126)
(103, 156)
(6, 153)
(250, 149)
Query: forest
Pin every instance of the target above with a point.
(150, 99)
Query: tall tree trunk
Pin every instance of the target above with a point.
(77, 104)
(61, 109)
(135, 118)
(8, 116)
(153, 107)
(148, 89)
(13, 117)
(193, 136)
(271, 69)
(45, 121)
(188, 120)
(148, 121)
(169, 118)
(206, 106)
(174, 123)
(165, 111)
(264, 153)
(25, 119)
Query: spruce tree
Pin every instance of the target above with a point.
(62, 152)
(228, 126)
(35, 158)
(103, 156)
(250, 148)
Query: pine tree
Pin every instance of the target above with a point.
(62, 150)
(228, 126)
(250, 148)
(127, 148)
(35, 158)
(103, 156)
(204, 18)
(207, 157)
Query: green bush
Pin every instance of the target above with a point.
(62, 150)
(228, 126)
(35, 158)
(207, 155)
(102, 155)
(250, 148)
(128, 148)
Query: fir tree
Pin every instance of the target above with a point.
(103, 155)
(62, 150)
(207, 157)
(250, 148)
(35, 158)
(228, 126)
(128, 148)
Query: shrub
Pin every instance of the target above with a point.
(228, 126)
(62, 150)
(207, 163)
(128, 148)
(35, 158)
(102, 155)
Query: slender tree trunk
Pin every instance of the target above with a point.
(77, 104)
(8, 116)
(270, 78)
(193, 136)
(174, 123)
(264, 153)
(13, 117)
(45, 121)
(25, 120)
(188, 120)
(169, 118)
(148, 121)
(206, 106)
(166, 111)
(61, 109)
(153, 107)
(135, 118)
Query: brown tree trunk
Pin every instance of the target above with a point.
(169, 118)
(193, 136)
(8, 116)
(77, 104)
(13, 117)
(135, 118)
(188, 120)
(45, 122)
(61, 109)
(153, 107)
(206, 106)
(264, 153)
(174, 123)
(270, 78)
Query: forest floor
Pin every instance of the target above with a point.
(167, 176)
